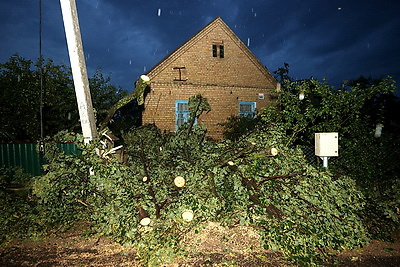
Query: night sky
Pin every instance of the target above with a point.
(336, 39)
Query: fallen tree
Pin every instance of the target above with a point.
(172, 183)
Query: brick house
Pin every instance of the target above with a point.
(216, 64)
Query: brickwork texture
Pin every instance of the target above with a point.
(192, 69)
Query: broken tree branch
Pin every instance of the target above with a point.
(271, 209)
(138, 94)
(270, 178)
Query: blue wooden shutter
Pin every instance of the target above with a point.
(181, 112)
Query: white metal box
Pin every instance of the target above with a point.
(327, 144)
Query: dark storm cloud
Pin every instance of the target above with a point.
(332, 39)
(336, 39)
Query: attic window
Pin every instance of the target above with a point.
(221, 51)
(218, 50)
(214, 47)
(180, 74)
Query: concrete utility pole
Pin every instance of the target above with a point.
(78, 65)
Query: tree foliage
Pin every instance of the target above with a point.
(354, 111)
(26, 86)
(18, 213)
(236, 127)
(300, 209)
(324, 109)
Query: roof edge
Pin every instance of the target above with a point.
(237, 40)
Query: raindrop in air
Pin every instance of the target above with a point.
(159, 12)
(130, 62)
(144, 69)
(248, 41)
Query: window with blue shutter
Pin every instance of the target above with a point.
(181, 112)
(247, 109)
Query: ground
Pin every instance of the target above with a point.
(215, 246)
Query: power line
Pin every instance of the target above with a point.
(41, 70)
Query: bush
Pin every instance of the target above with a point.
(18, 211)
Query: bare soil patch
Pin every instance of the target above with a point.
(376, 253)
(215, 246)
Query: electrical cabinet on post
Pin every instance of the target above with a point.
(327, 144)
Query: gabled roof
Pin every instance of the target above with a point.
(214, 23)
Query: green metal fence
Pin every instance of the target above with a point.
(28, 157)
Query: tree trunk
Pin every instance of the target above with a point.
(144, 218)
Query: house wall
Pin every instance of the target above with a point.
(224, 102)
(238, 77)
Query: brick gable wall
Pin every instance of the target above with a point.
(238, 77)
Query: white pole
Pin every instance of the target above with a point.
(78, 65)
(325, 161)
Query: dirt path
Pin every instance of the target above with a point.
(216, 246)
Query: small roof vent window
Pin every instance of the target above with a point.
(218, 49)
